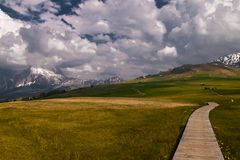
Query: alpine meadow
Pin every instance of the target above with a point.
(119, 80)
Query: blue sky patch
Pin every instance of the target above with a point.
(93, 38)
(33, 16)
(66, 8)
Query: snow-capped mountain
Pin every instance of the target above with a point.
(38, 77)
(27, 82)
(72, 83)
(34, 80)
(231, 60)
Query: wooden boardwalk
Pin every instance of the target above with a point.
(198, 141)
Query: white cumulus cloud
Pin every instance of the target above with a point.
(128, 38)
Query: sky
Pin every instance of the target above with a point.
(92, 39)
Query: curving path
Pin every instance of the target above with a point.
(198, 141)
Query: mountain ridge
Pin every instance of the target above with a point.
(226, 64)
(34, 80)
(232, 60)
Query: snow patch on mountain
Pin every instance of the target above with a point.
(38, 76)
(72, 83)
(232, 60)
(45, 72)
(41, 78)
(24, 84)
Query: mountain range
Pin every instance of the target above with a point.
(33, 80)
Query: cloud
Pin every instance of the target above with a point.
(12, 47)
(131, 38)
(167, 52)
(202, 30)
(49, 48)
(9, 25)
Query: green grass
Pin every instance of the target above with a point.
(54, 132)
(183, 89)
(226, 123)
(91, 130)
(225, 119)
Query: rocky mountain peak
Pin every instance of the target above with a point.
(38, 76)
(232, 60)
(37, 79)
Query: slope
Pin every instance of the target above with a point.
(187, 79)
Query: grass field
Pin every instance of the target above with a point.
(226, 122)
(140, 119)
(197, 89)
(92, 128)
(226, 118)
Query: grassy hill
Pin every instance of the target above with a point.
(211, 70)
(179, 83)
(137, 119)
(189, 83)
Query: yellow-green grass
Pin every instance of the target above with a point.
(141, 119)
(180, 89)
(226, 123)
(91, 128)
(197, 89)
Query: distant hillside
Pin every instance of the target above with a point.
(210, 69)
(225, 66)
(165, 83)
(40, 81)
